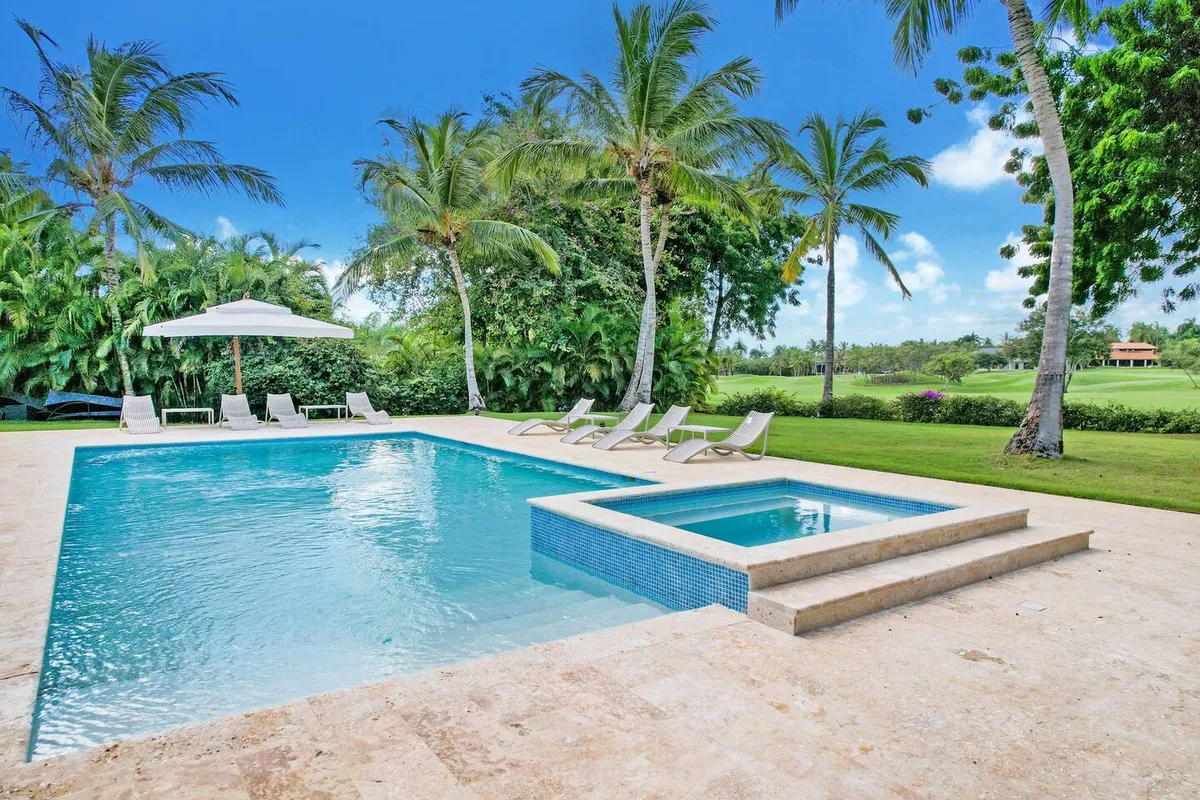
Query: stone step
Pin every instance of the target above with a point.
(819, 555)
(824, 600)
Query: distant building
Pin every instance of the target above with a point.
(1132, 354)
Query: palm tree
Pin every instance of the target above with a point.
(842, 162)
(123, 117)
(659, 134)
(918, 22)
(433, 197)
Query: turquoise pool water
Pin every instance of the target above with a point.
(772, 511)
(197, 581)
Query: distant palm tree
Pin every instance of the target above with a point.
(121, 118)
(918, 22)
(660, 133)
(842, 162)
(433, 196)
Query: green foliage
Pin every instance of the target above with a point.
(978, 409)
(1130, 114)
(918, 406)
(1183, 354)
(961, 409)
(858, 406)
(441, 388)
(776, 401)
(313, 371)
(953, 367)
(990, 361)
(1121, 418)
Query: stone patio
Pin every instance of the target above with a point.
(964, 694)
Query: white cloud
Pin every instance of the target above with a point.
(225, 228)
(927, 275)
(977, 163)
(1008, 280)
(915, 246)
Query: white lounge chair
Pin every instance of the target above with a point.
(235, 409)
(755, 424)
(280, 407)
(676, 415)
(560, 425)
(138, 414)
(634, 419)
(359, 405)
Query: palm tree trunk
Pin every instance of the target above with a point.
(641, 380)
(1040, 432)
(474, 398)
(112, 277)
(717, 308)
(827, 390)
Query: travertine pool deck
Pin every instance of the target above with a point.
(966, 694)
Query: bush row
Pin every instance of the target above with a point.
(961, 409)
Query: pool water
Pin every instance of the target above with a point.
(202, 580)
(768, 512)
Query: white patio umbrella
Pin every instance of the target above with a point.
(248, 317)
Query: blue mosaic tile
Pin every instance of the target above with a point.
(675, 580)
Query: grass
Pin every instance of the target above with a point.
(1141, 469)
(1141, 388)
(7, 425)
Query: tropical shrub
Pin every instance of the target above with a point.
(919, 406)
(440, 389)
(777, 401)
(979, 409)
(960, 409)
(858, 406)
(313, 371)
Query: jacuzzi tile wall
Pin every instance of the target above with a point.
(665, 501)
(675, 580)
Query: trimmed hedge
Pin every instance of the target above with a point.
(785, 404)
(962, 409)
(859, 406)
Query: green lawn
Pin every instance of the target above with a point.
(7, 425)
(1142, 388)
(1142, 469)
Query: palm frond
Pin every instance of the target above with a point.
(879, 254)
(372, 265)
(209, 178)
(489, 236)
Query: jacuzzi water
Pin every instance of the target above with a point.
(202, 580)
(772, 511)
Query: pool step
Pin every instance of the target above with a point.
(828, 599)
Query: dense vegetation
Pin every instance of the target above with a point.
(590, 237)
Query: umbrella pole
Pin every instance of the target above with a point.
(237, 364)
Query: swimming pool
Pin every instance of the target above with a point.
(769, 511)
(202, 580)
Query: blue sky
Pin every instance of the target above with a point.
(313, 78)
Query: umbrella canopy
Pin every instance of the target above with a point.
(248, 317)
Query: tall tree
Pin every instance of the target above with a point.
(122, 117)
(842, 162)
(918, 23)
(433, 194)
(658, 134)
